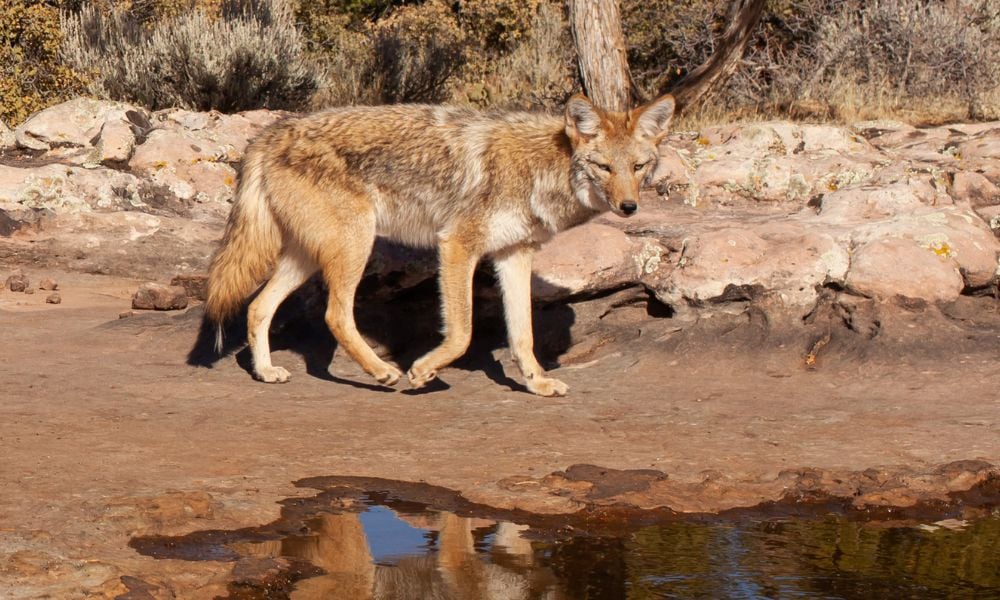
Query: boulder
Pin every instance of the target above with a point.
(18, 282)
(899, 267)
(156, 296)
(587, 258)
(76, 122)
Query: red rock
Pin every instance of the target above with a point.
(54, 298)
(48, 284)
(156, 296)
(18, 282)
(196, 286)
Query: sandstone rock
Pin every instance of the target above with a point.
(116, 141)
(975, 189)
(17, 282)
(991, 214)
(885, 268)
(864, 203)
(156, 296)
(770, 162)
(53, 298)
(777, 256)
(587, 258)
(195, 286)
(956, 236)
(67, 188)
(189, 165)
(75, 122)
(48, 284)
(29, 290)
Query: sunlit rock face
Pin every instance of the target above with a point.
(781, 209)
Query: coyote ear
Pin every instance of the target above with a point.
(652, 120)
(582, 118)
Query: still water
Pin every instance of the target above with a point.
(372, 547)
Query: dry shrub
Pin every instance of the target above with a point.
(540, 71)
(512, 53)
(411, 55)
(32, 74)
(923, 60)
(498, 27)
(249, 55)
(418, 49)
(911, 56)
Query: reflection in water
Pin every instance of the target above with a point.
(411, 552)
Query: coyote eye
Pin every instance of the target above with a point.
(602, 166)
(641, 166)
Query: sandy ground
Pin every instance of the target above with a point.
(107, 432)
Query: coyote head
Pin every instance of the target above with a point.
(614, 153)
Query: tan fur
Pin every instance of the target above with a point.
(316, 190)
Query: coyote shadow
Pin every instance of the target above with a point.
(401, 327)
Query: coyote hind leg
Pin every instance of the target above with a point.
(344, 255)
(293, 268)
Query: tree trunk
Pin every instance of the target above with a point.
(744, 16)
(600, 45)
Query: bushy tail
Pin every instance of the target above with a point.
(249, 248)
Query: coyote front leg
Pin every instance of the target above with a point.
(458, 264)
(514, 271)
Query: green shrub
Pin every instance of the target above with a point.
(32, 75)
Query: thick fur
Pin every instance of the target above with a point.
(316, 190)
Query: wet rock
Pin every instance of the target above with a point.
(17, 282)
(141, 590)
(53, 298)
(172, 508)
(156, 296)
(604, 482)
(884, 268)
(48, 284)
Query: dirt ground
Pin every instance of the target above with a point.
(107, 431)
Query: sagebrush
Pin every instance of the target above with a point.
(248, 56)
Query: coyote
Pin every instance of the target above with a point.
(315, 191)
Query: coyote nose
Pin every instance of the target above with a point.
(628, 207)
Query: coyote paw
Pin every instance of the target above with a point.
(390, 376)
(272, 374)
(419, 378)
(546, 386)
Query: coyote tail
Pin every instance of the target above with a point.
(249, 247)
